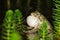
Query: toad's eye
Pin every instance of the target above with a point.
(37, 14)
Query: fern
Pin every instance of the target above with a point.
(20, 27)
(18, 16)
(9, 32)
(43, 32)
(56, 17)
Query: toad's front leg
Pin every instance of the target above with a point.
(31, 30)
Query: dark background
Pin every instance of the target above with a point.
(45, 7)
